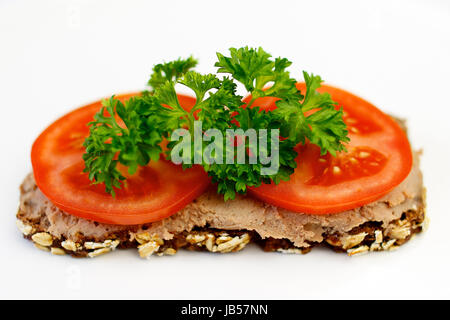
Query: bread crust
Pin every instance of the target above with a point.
(35, 215)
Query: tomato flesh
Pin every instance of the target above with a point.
(156, 191)
(379, 158)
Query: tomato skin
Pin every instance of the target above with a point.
(312, 189)
(155, 192)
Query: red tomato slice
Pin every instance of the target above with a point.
(153, 193)
(379, 158)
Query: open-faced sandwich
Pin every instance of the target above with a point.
(291, 166)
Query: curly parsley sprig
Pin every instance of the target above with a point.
(148, 119)
(255, 69)
(325, 127)
(133, 144)
(170, 71)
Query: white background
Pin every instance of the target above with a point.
(57, 55)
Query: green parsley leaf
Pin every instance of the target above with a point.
(255, 69)
(199, 83)
(236, 177)
(246, 65)
(170, 71)
(324, 127)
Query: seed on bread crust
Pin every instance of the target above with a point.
(375, 246)
(221, 242)
(169, 251)
(234, 244)
(93, 245)
(209, 243)
(387, 245)
(378, 236)
(195, 238)
(57, 251)
(44, 248)
(147, 249)
(70, 245)
(98, 252)
(290, 251)
(399, 230)
(353, 240)
(358, 251)
(42, 238)
(223, 239)
(105, 244)
(26, 229)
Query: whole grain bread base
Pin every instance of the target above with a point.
(209, 223)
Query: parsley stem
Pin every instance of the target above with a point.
(196, 107)
(191, 119)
